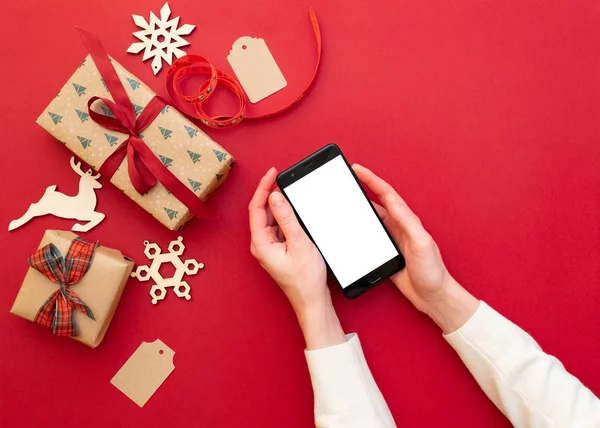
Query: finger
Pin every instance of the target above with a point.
(381, 212)
(375, 183)
(278, 234)
(393, 203)
(286, 219)
(398, 235)
(257, 208)
(270, 219)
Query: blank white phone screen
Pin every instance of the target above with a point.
(341, 221)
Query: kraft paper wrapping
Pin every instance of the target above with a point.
(191, 155)
(100, 288)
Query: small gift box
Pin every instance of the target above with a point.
(73, 287)
(114, 122)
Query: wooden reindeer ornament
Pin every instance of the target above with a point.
(80, 207)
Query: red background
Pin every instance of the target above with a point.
(483, 115)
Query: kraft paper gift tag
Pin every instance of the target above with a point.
(255, 68)
(145, 371)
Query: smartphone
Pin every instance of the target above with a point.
(337, 215)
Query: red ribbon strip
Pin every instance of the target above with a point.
(194, 64)
(144, 167)
(57, 311)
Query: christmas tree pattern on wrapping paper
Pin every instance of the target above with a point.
(166, 133)
(85, 142)
(195, 185)
(107, 112)
(137, 109)
(165, 160)
(171, 213)
(83, 116)
(141, 135)
(79, 89)
(104, 83)
(133, 83)
(199, 154)
(112, 140)
(82, 63)
(195, 157)
(192, 132)
(56, 118)
(220, 155)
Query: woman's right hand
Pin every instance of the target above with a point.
(425, 282)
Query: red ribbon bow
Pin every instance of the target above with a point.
(57, 311)
(143, 166)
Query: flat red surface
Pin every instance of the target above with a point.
(484, 115)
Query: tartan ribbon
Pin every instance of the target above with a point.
(57, 311)
(143, 166)
(189, 65)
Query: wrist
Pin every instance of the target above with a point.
(320, 325)
(452, 308)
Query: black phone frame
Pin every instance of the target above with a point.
(305, 167)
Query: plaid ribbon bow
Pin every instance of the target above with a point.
(57, 311)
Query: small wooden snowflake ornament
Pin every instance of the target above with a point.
(160, 38)
(159, 289)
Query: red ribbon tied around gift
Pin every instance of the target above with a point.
(143, 166)
(190, 65)
(57, 311)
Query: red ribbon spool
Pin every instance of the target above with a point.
(196, 65)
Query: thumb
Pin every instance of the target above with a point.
(285, 217)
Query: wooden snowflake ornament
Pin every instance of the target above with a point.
(160, 38)
(159, 289)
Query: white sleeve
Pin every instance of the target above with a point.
(346, 395)
(530, 387)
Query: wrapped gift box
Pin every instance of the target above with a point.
(100, 288)
(191, 155)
